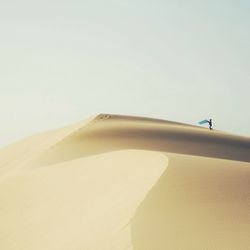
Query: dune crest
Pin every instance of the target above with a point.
(18, 155)
(106, 133)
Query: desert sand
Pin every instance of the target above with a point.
(120, 182)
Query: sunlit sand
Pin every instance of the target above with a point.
(120, 182)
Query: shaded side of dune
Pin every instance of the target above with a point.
(108, 133)
(198, 203)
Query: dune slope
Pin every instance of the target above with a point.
(82, 204)
(120, 182)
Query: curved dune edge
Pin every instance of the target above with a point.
(198, 203)
(82, 204)
(107, 133)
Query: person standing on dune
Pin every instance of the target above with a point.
(207, 121)
(210, 124)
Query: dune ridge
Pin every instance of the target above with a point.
(106, 133)
(19, 154)
(120, 182)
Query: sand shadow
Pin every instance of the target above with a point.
(196, 204)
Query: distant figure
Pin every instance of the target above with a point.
(209, 123)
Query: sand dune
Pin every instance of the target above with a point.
(120, 182)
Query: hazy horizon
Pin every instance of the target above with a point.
(62, 62)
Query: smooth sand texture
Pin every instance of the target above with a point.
(119, 182)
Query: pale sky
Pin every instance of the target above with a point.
(63, 61)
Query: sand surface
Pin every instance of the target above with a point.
(120, 182)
